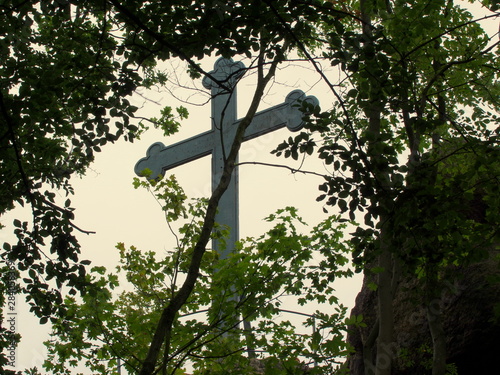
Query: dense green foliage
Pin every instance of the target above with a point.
(58, 90)
(282, 262)
(412, 143)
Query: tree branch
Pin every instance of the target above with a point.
(293, 170)
(179, 299)
(136, 20)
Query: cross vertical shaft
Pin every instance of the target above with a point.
(223, 102)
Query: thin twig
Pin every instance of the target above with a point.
(291, 169)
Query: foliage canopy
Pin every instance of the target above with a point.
(411, 142)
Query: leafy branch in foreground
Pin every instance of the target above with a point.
(413, 145)
(108, 324)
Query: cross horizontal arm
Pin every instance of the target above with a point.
(286, 114)
(160, 158)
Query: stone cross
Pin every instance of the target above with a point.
(217, 141)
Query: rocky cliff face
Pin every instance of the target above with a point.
(473, 335)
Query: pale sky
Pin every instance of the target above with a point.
(106, 202)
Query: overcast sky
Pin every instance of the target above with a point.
(106, 202)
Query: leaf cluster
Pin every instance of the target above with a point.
(416, 68)
(63, 97)
(107, 324)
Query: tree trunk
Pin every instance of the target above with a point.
(385, 343)
(169, 314)
(373, 111)
(435, 321)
